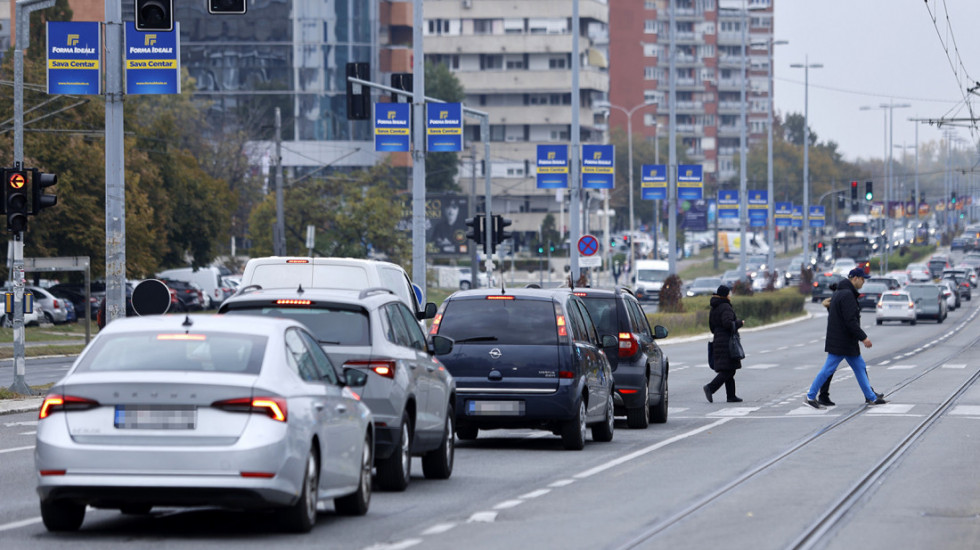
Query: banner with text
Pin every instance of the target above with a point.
(152, 61)
(690, 181)
(758, 208)
(653, 181)
(74, 57)
(783, 214)
(392, 126)
(444, 127)
(817, 217)
(728, 203)
(552, 167)
(598, 166)
(797, 220)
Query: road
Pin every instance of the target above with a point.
(766, 473)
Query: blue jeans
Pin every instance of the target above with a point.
(857, 365)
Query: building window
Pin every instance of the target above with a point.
(557, 63)
(649, 5)
(515, 63)
(482, 26)
(652, 95)
(650, 26)
(650, 49)
(760, 3)
(652, 73)
(491, 62)
(559, 135)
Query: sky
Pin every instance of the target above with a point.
(874, 52)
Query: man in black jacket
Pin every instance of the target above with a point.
(844, 332)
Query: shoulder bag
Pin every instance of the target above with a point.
(735, 350)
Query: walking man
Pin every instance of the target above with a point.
(844, 332)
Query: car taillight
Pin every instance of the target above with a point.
(628, 346)
(911, 305)
(562, 329)
(815, 284)
(273, 407)
(56, 304)
(55, 403)
(860, 295)
(435, 324)
(385, 368)
(880, 306)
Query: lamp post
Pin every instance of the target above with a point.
(887, 158)
(629, 146)
(806, 66)
(772, 222)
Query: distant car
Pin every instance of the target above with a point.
(190, 297)
(869, 294)
(918, 273)
(889, 281)
(730, 277)
(842, 266)
(170, 410)
(466, 278)
(900, 276)
(821, 285)
(961, 282)
(56, 310)
(929, 301)
(409, 392)
(703, 286)
(528, 359)
(761, 281)
(936, 266)
(76, 295)
(794, 271)
(639, 365)
(959, 243)
(895, 305)
(951, 293)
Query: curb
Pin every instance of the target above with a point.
(707, 335)
(13, 406)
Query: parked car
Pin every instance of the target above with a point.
(409, 392)
(170, 410)
(528, 358)
(75, 293)
(56, 310)
(703, 286)
(31, 318)
(190, 297)
(929, 301)
(895, 305)
(639, 365)
(208, 279)
(821, 285)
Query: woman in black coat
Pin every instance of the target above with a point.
(720, 322)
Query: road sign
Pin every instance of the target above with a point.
(590, 261)
(588, 245)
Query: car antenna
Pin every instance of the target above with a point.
(300, 289)
(187, 322)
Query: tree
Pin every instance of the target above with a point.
(441, 168)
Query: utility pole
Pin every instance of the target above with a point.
(806, 66)
(743, 199)
(672, 149)
(279, 235)
(576, 167)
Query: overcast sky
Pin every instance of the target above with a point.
(873, 51)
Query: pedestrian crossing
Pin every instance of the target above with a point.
(804, 411)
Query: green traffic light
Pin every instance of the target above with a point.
(868, 196)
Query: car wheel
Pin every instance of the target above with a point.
(301, 516)
(62, 515)
(658, 412)
(467, 433)
(913, 322)
(940, 319)
(573, 431)
(465, 285)
(603, 431)
(395, 471)
(356, 503)
(48, 318)
(438, 463)
(639, 417)
(878, 321)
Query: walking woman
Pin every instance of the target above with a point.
(720, 321)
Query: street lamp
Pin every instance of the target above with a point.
(629, 141)
(772, 221)
(888, 177)
(806, 66)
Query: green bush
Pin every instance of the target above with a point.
(758, 309)
(670, 295)
(899, 260)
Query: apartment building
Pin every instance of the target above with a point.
(708, 38)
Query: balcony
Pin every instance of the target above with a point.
(732, 130)
(730, 84)
(501, 43)
(729, 106)
(536, 114)
(689, 106)
(556, 81)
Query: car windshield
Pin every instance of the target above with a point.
(175, 351)
(334, 324)
(874, 288)
(603, 313)
(507, 322)
(651, 275)
(712, 282)
(924, 292)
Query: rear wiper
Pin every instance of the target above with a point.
(478, 339)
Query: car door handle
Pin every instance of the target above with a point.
(341, 409)
(318, 406)
(430, 368)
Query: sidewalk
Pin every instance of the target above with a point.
(11, 406)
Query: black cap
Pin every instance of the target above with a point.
(723, 291)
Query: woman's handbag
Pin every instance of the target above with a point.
(711, 355)
(735, 350)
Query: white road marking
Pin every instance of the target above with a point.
(763, 366)
(561, 483)
(965, 410)
(806, 410)
(954, 366)
(408, 543)
(28, 433)
(438, 529)
(902, 367)
(23, 423)
(535, 494)
(733, 411)
(508, 504)
(672, 410)
(482, 517)
(782, 348)
(21, 523)
(12, 449)
(883, 363)
(646, 450)
(765, 351)
(890, 408)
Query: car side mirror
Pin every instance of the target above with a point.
(659, 332)
(428, 313)
(609, 341)
(438, 344)
(355, 378)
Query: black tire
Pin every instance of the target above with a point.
(467, 433)
(48, 318)
(573, 430)
(603, 431)
(300, 517)
(639, 417)
(358, 502)
(878, 321)
(913, 322)
(658, 412)
(62, 515)
(438, 463)
(940, 319)
(395, 471)
(465, 285)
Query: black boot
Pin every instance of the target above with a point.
(824, 399)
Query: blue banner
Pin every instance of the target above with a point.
(817, 218)
(759, 206)
(444, 127)
(552, 167)
(783, 214)
(653, 182)
(74, 57)
(689, 181)
(392, 126)
(598, 166)
(152, 61)
(727, 203)
(797, 220)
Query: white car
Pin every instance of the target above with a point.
(843, 266)
(901, 276)
(895, 305)
(918, 272)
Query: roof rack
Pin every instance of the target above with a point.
(373, 290)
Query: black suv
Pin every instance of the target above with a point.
(639, 365)
(821, 285)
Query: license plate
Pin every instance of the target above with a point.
(495, 408)
(142, 417)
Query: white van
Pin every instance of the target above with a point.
(208, 278)
(342, 273)
(650, 275)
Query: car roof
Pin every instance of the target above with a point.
(369, 297)
(180, 322)
(533, 293)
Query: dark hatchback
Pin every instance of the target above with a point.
(639, 365)
(870, 293)
(527, 358)
(821, 285)
(929, 301)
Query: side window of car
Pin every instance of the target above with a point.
(642, 325)
(321, 362)
(298, 356)
(398, 283)
(575, 321)
(399, 330)
(588, 321)
(412, 329)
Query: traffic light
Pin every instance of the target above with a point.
(869, 193)
(551, 247)
(499, 235)
(841, 201)
(952, 197)
(613, 243)
(854, 196)
(15, 199)
(478, 229)
(154, 15)
(358, 95)
(540, 250)
(404, 82)
(42, 200)
(226, 7)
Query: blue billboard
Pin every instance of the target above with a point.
(74, 52)
(152, 61)
(758, 207)
(598, 166)
(653, 182)
(817, 217)
(392, 126)
(443, 127)
(783, 214)
(552, 167)
(728, 203)
(690, 181)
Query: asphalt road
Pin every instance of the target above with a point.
(743, 475)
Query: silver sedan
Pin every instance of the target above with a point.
(181, 410)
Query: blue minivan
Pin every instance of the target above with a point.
(527, 359)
